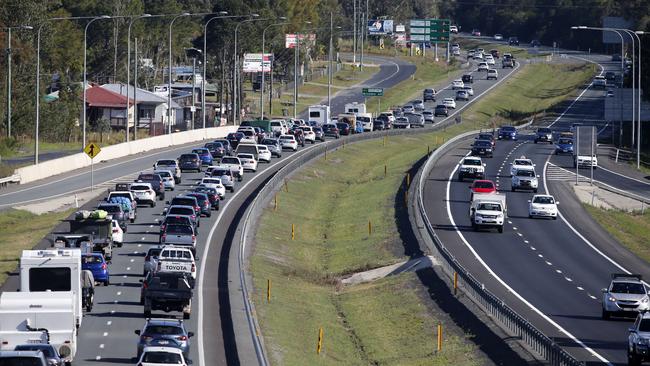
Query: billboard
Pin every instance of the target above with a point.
(291, 39)
(400, 28)
(253, 62)
(380, 27)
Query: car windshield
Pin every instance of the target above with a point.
(46, 349)
(181, 211)
(508, 128)
(544, 130)
(544, 200)
(440, 106)
(480, 184)
(164, 173)
(200, 151)
(245, 156)
(91, 259)
(162, 357)
(644, 326)
(525, 173)
(489, 207)
(472, 162)
(20, 361)
(139, 188)
(483, 143)
(627, 288)
(179, 229)
(163, 330)
(183, 220)
(220, 172)
(176, 253)
(211, 180)
(523, 162)
(166, 162)
(566, 142)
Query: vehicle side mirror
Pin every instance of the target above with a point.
(604, 290)
(631, 330)
(529, 201)
(137, 332)
(484, 164)
(190, 334)
(537, 175)
(557, 203)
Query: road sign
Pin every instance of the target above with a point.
(372, 92)
(429, 30)
(92, 149)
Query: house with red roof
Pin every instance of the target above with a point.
(105, 104)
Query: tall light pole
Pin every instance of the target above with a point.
(8, 30)
(638, 150)
(169, 76)
(193, 109)
(128, 75)
(271, 64)
(235, 99)
(329, 60)
(354, 37)
(296, 55)
(85, 77)
(38, 78)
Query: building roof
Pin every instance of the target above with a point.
(143, 96)
(96, 96)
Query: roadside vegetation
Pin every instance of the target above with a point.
(631, 229)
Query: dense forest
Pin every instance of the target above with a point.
(62, 40)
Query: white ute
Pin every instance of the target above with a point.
(487, 211)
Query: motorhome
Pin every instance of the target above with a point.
(355, 108)
(319, 113)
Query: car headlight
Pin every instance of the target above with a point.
(642, 341)
(611, 298)
(645, 300)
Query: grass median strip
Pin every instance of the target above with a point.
(631, 229)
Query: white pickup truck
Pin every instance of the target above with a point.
(488, 210)
(176, 259)
(234, 164)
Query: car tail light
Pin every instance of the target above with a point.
(115, 231)
(193, 217)
(104, 266)
(147, 258)
(163, 237)
(196, 208)
(193, 237)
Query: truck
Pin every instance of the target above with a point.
(261, 123)
(39, 317)
(366, 121)
(97, 227)
(167, 291)
(319, 113)
(488, 211)
(584, 148)
(355, 108)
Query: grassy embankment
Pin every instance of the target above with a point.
(631, 229)
(519, 53)
(389, 321)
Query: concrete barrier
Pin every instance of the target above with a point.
(81, 160)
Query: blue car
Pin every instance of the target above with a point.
(204, 154)
(358, 128)
(564, 146)
(507, 133)
(96, 264)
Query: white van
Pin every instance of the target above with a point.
(366, 121)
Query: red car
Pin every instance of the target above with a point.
(482, 186)
(476, 33)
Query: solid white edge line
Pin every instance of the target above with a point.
(504, 284)
(622, 175)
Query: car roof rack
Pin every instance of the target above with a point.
(619, 276)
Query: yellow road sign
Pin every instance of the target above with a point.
(381, 43)
(417, 51)
(92, 149)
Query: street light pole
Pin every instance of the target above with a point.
(235, 76)
(169, 76)
(128, 75)
(85, 77)
(329, 57)
(270, 66)
(8, 30)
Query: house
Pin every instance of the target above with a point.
(104, 104)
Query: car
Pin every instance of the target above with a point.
(507, 133)
(168, 179)
(415, 119)
(378, 124)
(116, 212)
(542, 205)
(171, 165)
(490, 60)
(204, 154)
(117, 234)
(600, 82)
(428, 116)
(216, 149)
(524, 179)
(544, 134)
(520, 163)
(170, 329)
(535, 43)
(156, 183)
(478, 56)
(248, 162)
(482, 148)
(143, 193)
(95, 263)
(408, 108)
(344, 128)
(273, 145)
(609, 93)
(482, 186)
(462, 95)
(151, 259)
(441, 110)
(455, 51)
(390, 116)
(289, 142)
(234, 164)
(638, 340)
(453, 29)
(203, 200)
(20, 358)
(166, 355)
(331, 130)
(469, 90)
(449, 103)
(429, 95)
(467, 79)
(226, 176)
(487, 136)
(494, 53)
(178, 210)
(470, 54)
(49, 351)
(190, 162)
(483, 66)
(476, 32)
(320, 134)
(492, 74)
(226, 145)
(507, 62)
(213, 195)
(610, 76)
(564, 145)
(309, 133)
(480, 50)
(177, 234)
(471, 167)
(498, 37)
(457, 84)
(417, 104)
(184, 200)
(234, 138)
(263, 153)
(402, 122)
(513, 41)
(626, 294)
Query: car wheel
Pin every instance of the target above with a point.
(500, 229)
(535, 190)
(530, 216)
(209, 214)
(107, 282)
(172, 189)
(147, 313)
(152, 204)
(535, 141)
(605, 314)
(186, 316)
(554, 217)
(512, 189)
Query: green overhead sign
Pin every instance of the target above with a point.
(429, 30)
(372, 92)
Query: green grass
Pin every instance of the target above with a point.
(23, 230)
(530, 92)
(632, 230)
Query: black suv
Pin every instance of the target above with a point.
(513, 41)
(441, 110)
(190, 162)
(156, 183)
(482, 147)
(468, 78)
(429, 94)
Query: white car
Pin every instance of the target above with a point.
(498, 37)
(248, 162)
(144, 193)
(118, 234)
(492, 74)
(469, 90)
(524, 179)
(457, 84)
(408, 108)
(288, 142)
(483, 66)
(213, 182)
(542, 205)
(162, 356)
(449, 103)
(520, 163)
(263, 153)
(309, 133)
(167, 177)
(489, 60)
(248, 140)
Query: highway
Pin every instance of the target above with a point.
(550, 272)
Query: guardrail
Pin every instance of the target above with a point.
(497, 308)
(11, 179)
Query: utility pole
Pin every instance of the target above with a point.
(354, 37)
(329, 77)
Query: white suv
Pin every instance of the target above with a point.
(248, 162)
(626, 294)
(525, 179)
(492, 74)
(471, 167)
(144, 193)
